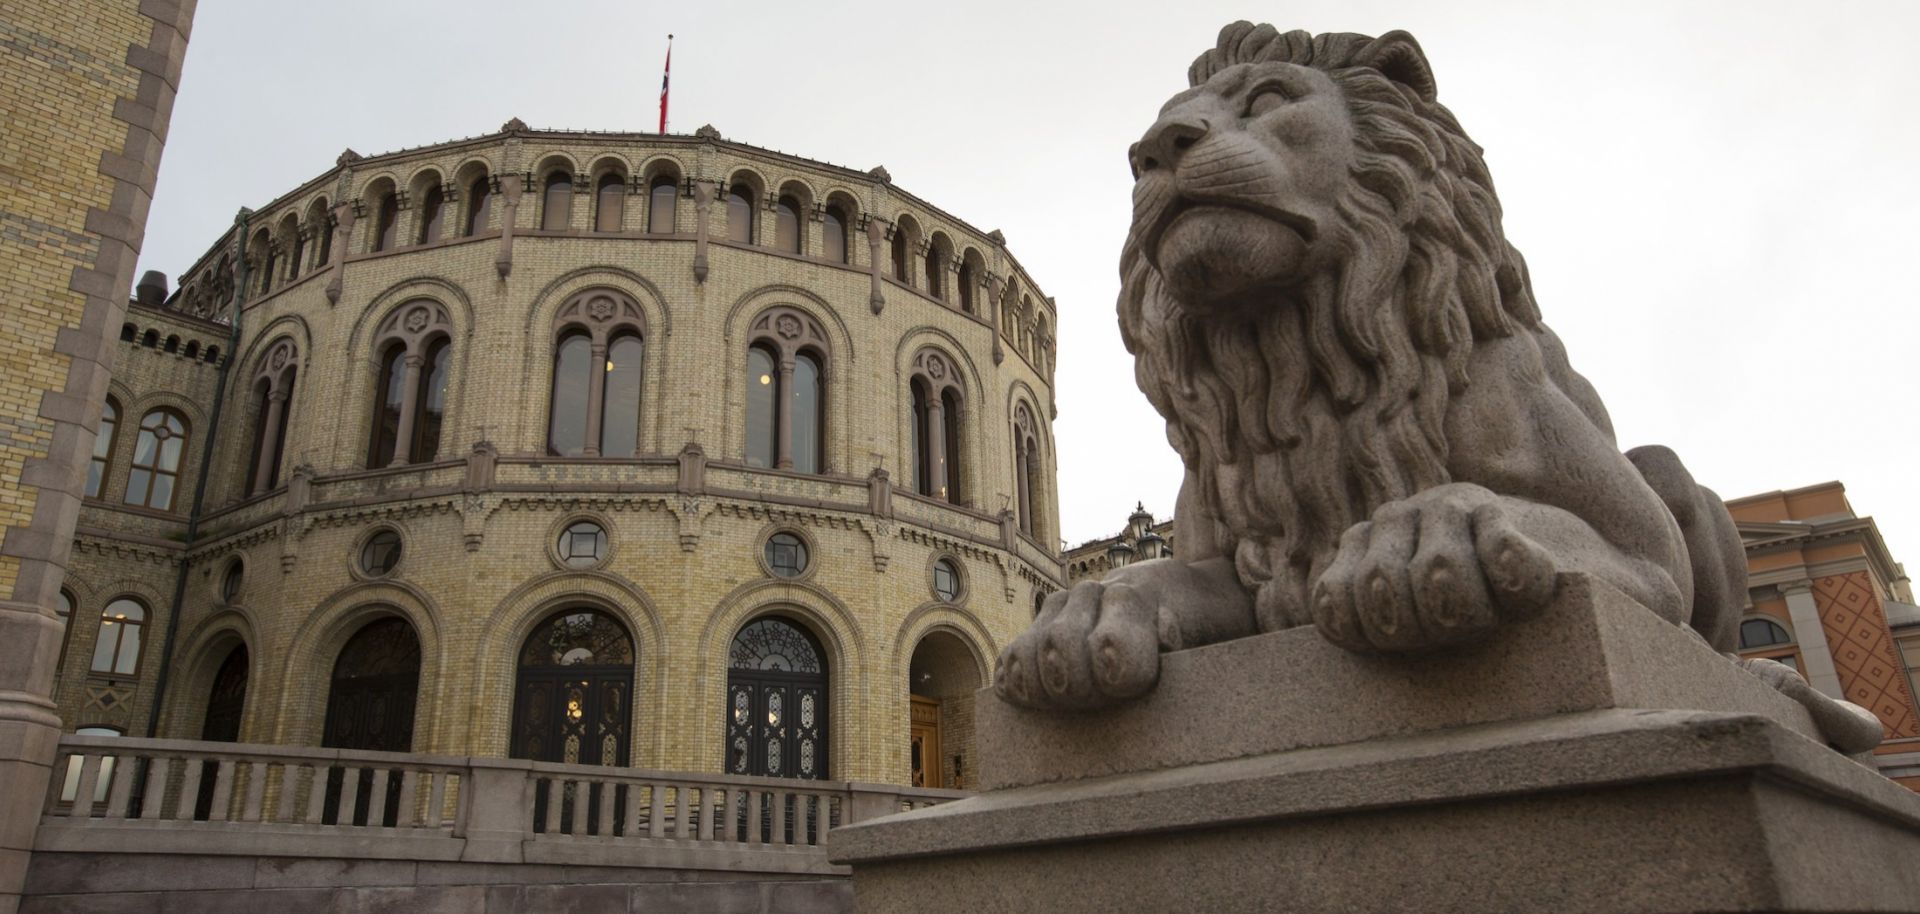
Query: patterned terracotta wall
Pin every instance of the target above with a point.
(1864, 652)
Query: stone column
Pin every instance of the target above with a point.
(874, 241)
(993, 312)
(702, 203)
(937, 445)
(1812, 638)
(510, 189)
(409, 409)
(269, 455)
(783, 409)
(343, 216)
(596, 395)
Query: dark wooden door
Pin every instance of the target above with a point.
(370, 705)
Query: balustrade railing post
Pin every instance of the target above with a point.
(497, 796)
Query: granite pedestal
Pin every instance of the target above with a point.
(1592, 759)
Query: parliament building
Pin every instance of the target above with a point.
(663, 452)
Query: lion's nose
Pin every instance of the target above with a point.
(1166, 142)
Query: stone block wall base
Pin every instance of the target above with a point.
(1600, 811)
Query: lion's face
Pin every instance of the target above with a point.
(1237, 182)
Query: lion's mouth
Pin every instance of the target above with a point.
(1196, 204)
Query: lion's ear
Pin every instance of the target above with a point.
(1399, 57)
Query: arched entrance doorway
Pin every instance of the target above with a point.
(776, 701)
(942, 678)
(370, 705)
(226, 701)
(572, 693)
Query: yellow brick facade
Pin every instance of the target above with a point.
(686, 519)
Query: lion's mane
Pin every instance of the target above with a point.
(1299, 420)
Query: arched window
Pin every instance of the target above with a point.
(763, 395)
(226, 700)
(776, 722)
(556, 206)
(262, 432)
(156, 459)
(936, 272)
(740, 214)
(834, 234)
(388, 398)
(610, 203)
(573, 691)
(387, 222)
(786, 225)
(572, 376)
(479, 206)
(272, 399)
(1026, 468)
(937, 425)
(102, 448)
(117, 651)
(128, 333)
(192, 352)
(1756, 633)
(150, 339)
(662, 198)
(432, 399)
(620, 405)
(173, 344)
(272, 261)
(966, 283)
(899, 254)
(325, 228)
(375, 681)
(432, 214)
(297, 238)
(786, 391)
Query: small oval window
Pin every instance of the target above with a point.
(381, 553)
(786, 555)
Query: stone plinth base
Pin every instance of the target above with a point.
(1623, 802)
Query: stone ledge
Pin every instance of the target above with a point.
(1593, 649)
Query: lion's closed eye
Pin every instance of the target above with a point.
(1267, 97)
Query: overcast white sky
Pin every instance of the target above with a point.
(1717, 200)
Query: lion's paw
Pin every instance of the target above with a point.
(1436, 569)
(1091, 646)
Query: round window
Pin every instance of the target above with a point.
(230, 582)
(583, 544)
(381, 553)
(946, 580)
(787, 555)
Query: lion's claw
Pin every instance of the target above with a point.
(1092, 646)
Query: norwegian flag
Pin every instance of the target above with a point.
(665, 72)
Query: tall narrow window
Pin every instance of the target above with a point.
(117, 650)
(156, 460)
(899, 254)
(1026, 466)
(834, 235)
(966, 282)
(556, 208)
(740, 214)
(389, 218)
(388, 398)
(609, 203)
(299, 243)
(432, 215)
(952, 417)
(620, 405)
(325, 228)
(806, 413)
(786, 225)
(572, 375)
(479, 206)
(262, 416)
(267, 268)
(936, 272)
(102, 448)
(431, 403)
(763, 378)
(280, 428)
(922, 438)
(661, 200)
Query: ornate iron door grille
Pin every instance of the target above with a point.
(376, 681)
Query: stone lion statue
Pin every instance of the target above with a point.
(1381, 438)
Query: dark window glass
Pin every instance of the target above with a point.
(946, 580)
(610, 203)
(384, 225)
(620, 406)
(326, 243)
(966, 287)
(787, 555)
(806, 408)
(479, 205)
(387, 397)
(156, 460)
(431, 400)
(381, 553)
(762, 392)
(260, 432)
(117, 650)
(572, 372)
(899, 254)
(280, 431)
(102, 448)
(432, 215)
(950, 401)
(834, 235)
(786, 225)
(582, 544)
(922, 471)
(293, 260)
(231, 581)
(936, 272)
(266, 269)
(1762, 633)
(557, 203)
(740, 214)
(664, 196)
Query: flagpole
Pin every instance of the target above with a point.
(665, 72)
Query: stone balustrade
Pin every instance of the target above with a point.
(146, 796)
